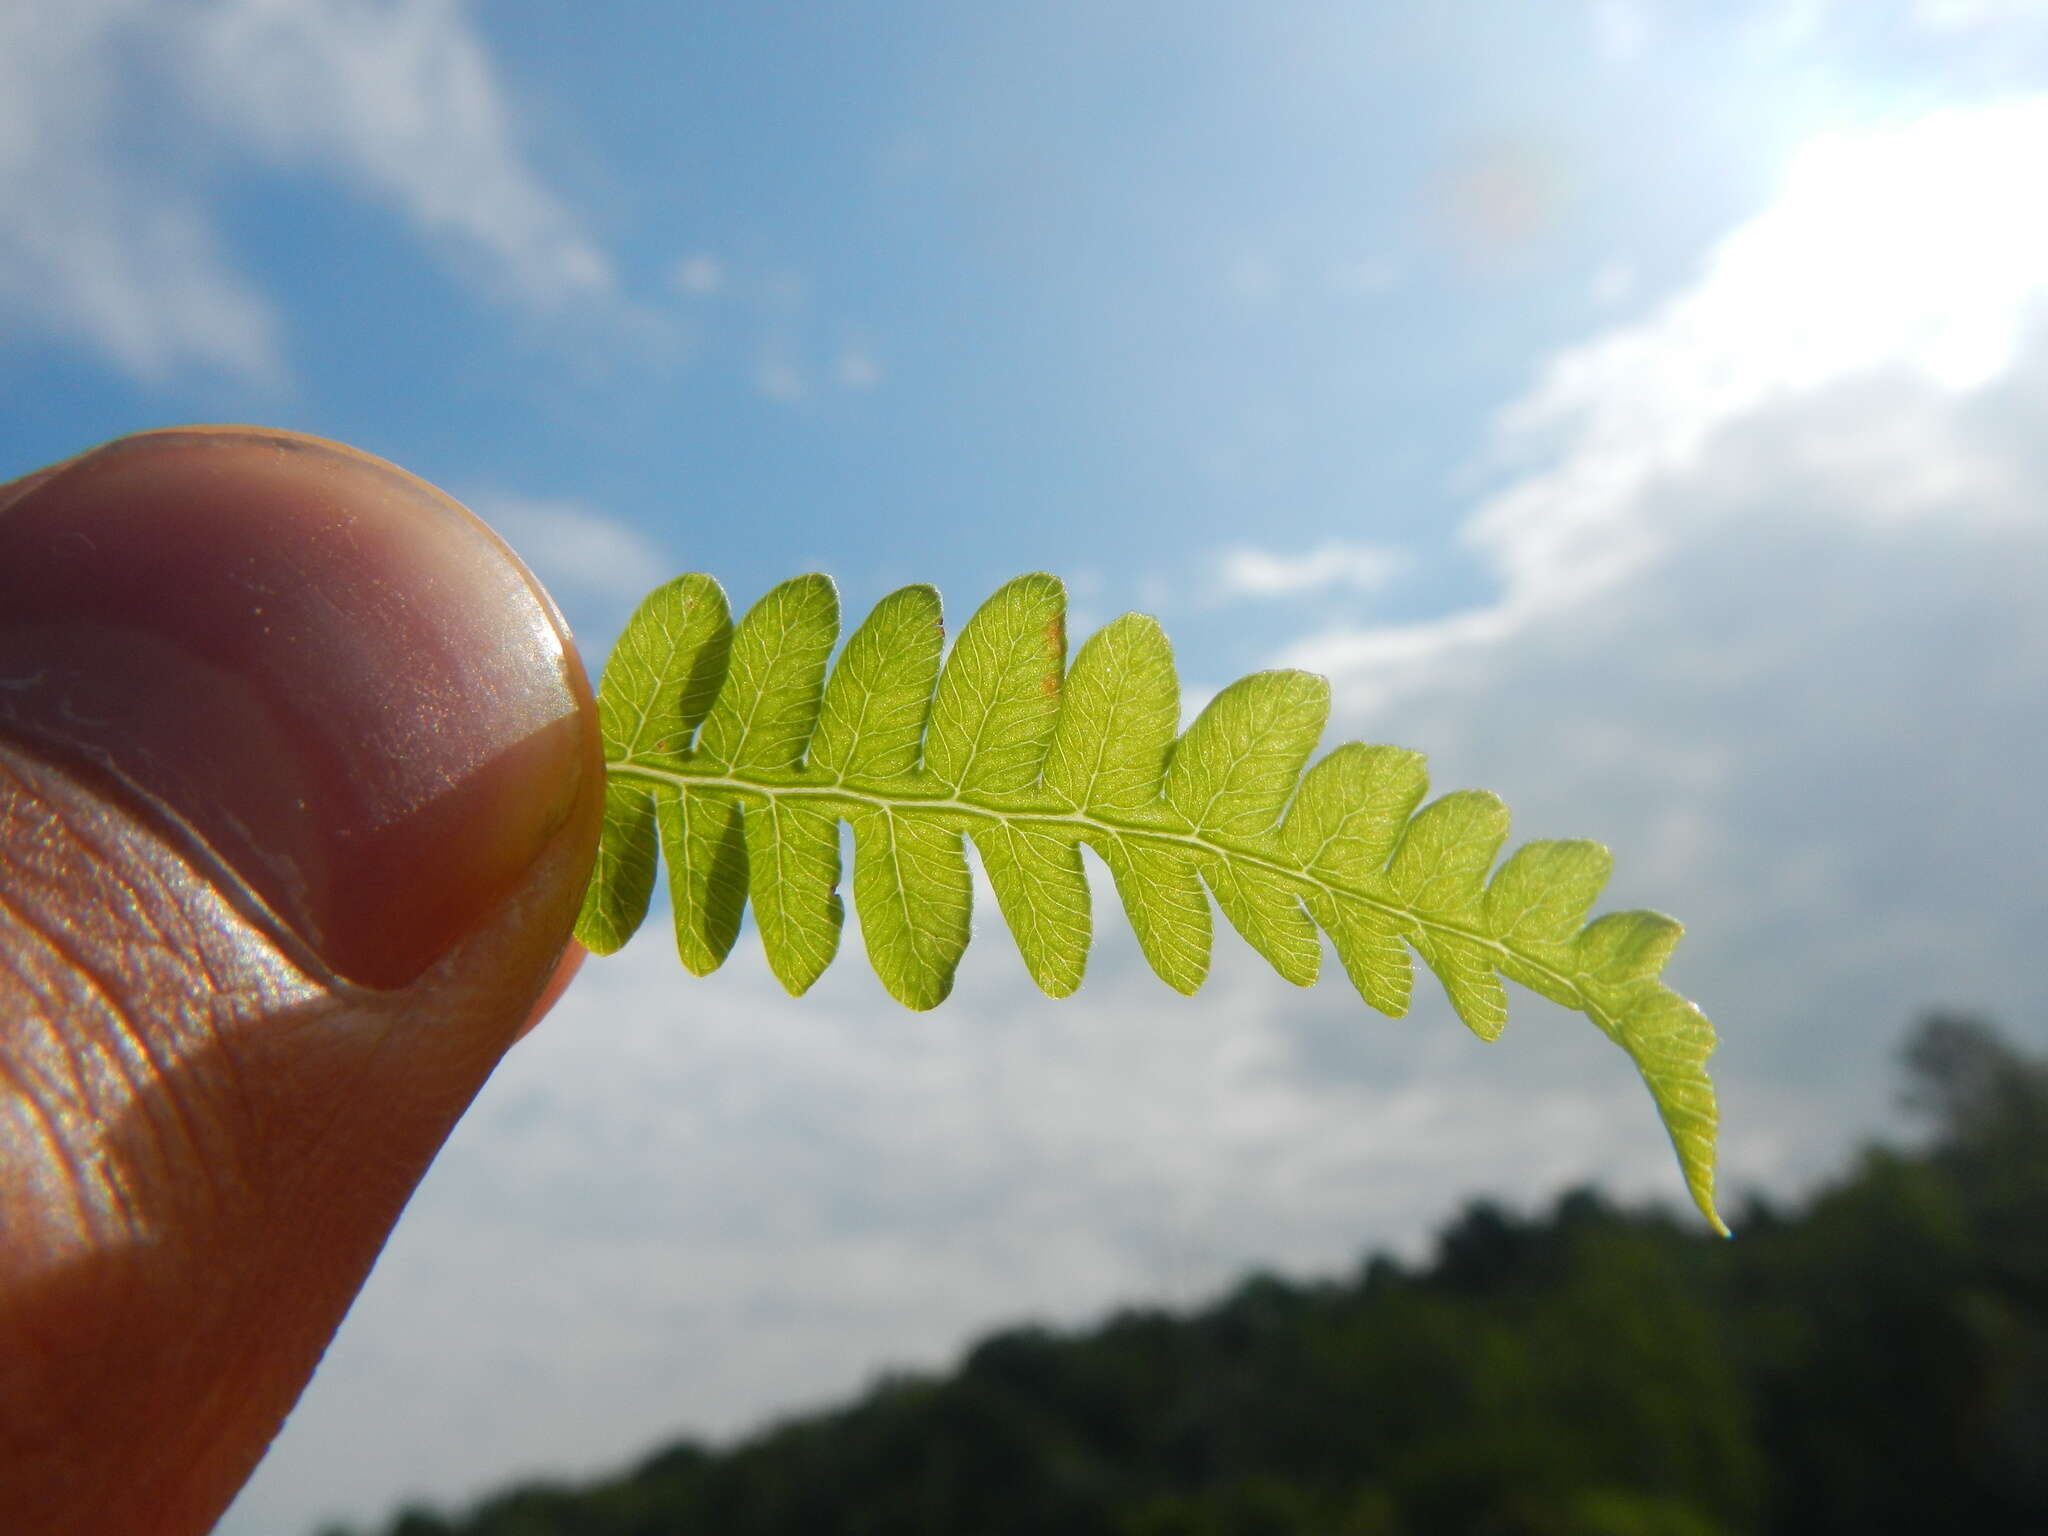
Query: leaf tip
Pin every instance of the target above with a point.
(598, 938)
(1488, 1030)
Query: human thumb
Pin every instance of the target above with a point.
(299, 789)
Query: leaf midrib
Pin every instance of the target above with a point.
(681, 777)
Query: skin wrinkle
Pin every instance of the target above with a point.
(121, 1051)
(53, 1139)
(122, 1041)
(15, 958)
(44, 1105)
(128, 1039)
(92, 1102)
(211, 1026)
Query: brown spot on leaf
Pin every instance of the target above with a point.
(1055, 633)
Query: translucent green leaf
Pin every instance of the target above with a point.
(1537, 904)
(705, 849)
(1352, 808)
(1439, 868)
(1368, 942)
(1669, 1040)
(666, 668)
(1440, 864)
(658, 684)
(1043, 893)
(1242, 757)
(999, 695)
(1626, 946)
(793, 879)
(1031, 762)
(1542, 894)
(1169, 912)
(768, 705)
(1265, 907)
(615, 901)
(879, 696)
(914, 896)
(1116, 726)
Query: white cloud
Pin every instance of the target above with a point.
(1258, 573)
(576, 550)
(400, 99)
(595, 566)
(1621, 29)
(1790, 24)
(859, 368)
(394, 98)
(700, 275)
(777, 377)
(1970, 15)
(93, 250)
(1614, 282)
(1362, 279)
(785, 361)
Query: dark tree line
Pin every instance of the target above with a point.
(1876, 1360)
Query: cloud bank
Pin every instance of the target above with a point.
(1899, 274)
(1766, 613)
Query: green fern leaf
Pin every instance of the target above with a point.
(732, 752)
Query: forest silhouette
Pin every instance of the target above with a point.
(1875, 1359)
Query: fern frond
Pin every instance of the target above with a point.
(731, 749)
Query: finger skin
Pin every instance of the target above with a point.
(206, 1129)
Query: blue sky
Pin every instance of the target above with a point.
(1633, 405)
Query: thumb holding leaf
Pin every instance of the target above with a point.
(299, 789)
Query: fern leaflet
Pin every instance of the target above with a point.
(736, 752)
